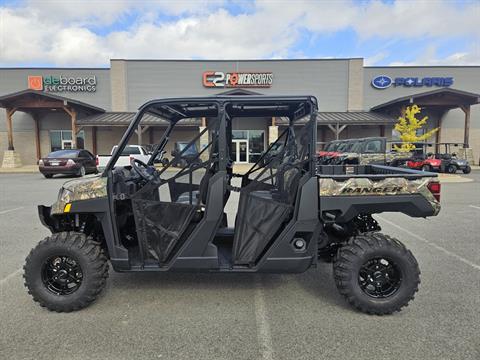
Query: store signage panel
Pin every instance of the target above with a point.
(63, 83)
(220, 79)
(384, 81)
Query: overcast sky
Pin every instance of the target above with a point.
(89, 33)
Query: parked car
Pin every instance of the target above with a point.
(77, 162)
(130, 152)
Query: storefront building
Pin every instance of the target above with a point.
(41, 108)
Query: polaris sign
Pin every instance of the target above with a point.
(384, 81)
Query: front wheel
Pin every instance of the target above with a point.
(467, 170)
(65, 271)
(426, 168)
(376, 273)
(451, 169)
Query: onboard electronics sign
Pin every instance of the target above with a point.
(384, 82)
(63, 83)
(220, 79)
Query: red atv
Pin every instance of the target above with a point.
(424, 162)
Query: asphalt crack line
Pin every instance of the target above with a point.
(475, 207)
(458, 257)
(264, 335)
(10, 210)
(8, 277)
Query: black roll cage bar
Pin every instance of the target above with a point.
(170, 109)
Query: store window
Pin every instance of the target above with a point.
(62, 139)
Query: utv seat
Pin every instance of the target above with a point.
(198, 196)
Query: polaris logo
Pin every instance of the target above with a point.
(384, 81)
(381, 82)
(371, 190)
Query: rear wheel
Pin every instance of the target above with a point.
(48, 176)
(81, 171)
(65, 272)
(467, 170)
(376, 273)
(451, 169)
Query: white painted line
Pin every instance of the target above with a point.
(8, 277)
(475, 207)
(10, 210)
(458, 257)
(263, 327)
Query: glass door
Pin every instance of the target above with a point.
(240, 151)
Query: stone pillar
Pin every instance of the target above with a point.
(11, 159)
(203, 142)
(272, 134)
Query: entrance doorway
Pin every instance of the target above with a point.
(240, 151)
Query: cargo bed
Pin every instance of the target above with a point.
(347, 191)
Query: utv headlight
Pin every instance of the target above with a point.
(65, 195)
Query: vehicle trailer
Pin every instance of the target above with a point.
(290, 213)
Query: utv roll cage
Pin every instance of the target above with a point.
(224, 108)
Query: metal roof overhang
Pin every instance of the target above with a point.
(445, 98)
(350, 118)
(323, 118)
(125, 118)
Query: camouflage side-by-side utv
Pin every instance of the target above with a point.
(290, 213)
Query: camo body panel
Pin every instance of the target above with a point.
(389, 186)
(92, 188)
(365, 159)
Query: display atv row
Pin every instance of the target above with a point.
(291, 214)
(380, 150)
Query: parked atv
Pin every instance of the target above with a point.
(290, 213)
(449, 161)
(424, 162)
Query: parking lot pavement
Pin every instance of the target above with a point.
(246, 316)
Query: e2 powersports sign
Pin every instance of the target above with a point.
(219, 79)
(63, 83)
(384, 81)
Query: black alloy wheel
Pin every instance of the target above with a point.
(62, 275)
(379, 278)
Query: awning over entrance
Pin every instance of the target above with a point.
(338, 121)
(124, 119)
(34, 102)
(439, 101)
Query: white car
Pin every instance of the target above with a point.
(130, 151)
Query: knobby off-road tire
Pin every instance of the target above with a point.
(426, 168)
(451, 169)
(77, 259)
(380, 254)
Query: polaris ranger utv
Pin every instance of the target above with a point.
(289, 214)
